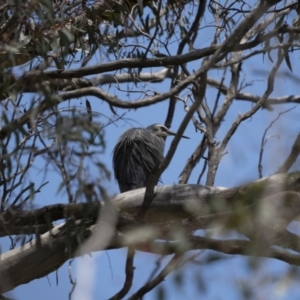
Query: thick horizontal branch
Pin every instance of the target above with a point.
(35, 260)
(124, 64)
(232, 247)
(85, 87)
(175, 60)
(202, 200)
(93, 91)
(52, 249)
(171, 202)
(30, 86)
(6, 230)
(251, 97)
(49, 213)
(111, 99)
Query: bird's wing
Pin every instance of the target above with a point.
(135, 155)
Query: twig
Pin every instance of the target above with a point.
(256, 107)
(292, 157)
(192, 161)
(158, 279)
(129, 271)
(264, 141)
(232, 247)
(38, 190)
(73, 282)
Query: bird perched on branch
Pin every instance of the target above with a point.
(137, 152)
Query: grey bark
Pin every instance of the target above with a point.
(172, 203)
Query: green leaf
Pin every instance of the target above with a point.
(161, 293)
(280, 22)
(267, 44)
(146, 27)
(287, 60)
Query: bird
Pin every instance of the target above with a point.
(137, 152)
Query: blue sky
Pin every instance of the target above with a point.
(102, 274)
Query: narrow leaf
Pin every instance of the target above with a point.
(287, 60)
(89, 109)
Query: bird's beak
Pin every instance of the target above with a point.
(169, 132)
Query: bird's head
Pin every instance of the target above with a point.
(162, 131)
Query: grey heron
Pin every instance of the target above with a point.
(137, 152)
